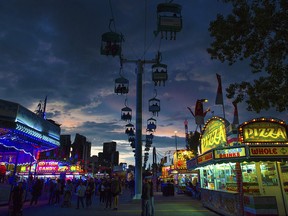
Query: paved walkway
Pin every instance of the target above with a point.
(179, 205)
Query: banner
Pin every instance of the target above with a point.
(219, 96)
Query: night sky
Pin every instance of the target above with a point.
(52, 48)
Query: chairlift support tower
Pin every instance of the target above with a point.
(138, 134)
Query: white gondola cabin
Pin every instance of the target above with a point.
(169, 19)
(154, 106)
(151, 125)
(159, 74)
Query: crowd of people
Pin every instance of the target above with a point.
(60, 192)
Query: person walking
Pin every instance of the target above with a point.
(80, 192)
(17, 197)
(58, 191)
(102, 191)
(68, 191)
(36, 191)
(52, 191)
(115, 191)
(145, 197)
(131, 186)
(108, 194)
(151, 201)
(89, 192)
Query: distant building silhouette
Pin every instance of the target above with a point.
(65, 146)
(109, 157)
(81, 150)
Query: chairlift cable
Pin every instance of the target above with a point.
(112, 14)
(145, 28)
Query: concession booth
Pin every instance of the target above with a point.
(248, 176)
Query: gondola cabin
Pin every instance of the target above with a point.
(130, 129)
(154, 106)
(111, 44)
(131, 140)
(148, 143)
(148, 140)
(169, 19)
(121, 86)
(159, 74)
(151, 125)
(132, 144)
(149, 136)
(126, 114)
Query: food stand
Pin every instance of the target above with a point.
(249, 177)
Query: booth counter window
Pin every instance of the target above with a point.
(284, 171)
(269, 174)
(223, 177)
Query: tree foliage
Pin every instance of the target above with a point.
(256, 31)
(193, 142)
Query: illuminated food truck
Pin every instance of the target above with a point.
(248, 176)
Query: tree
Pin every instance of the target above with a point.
(193, 142)
(256, 31)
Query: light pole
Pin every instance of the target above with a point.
(175, 132)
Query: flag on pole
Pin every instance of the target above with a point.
(219, 96)
(235, 119)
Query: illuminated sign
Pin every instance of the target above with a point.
(52, 167)
(264, 132)
(214, 135)
(204, 158)
(47, 166)
(230, 153)
(75, 168)
(181, 158)
(268, 151)
(165, 171)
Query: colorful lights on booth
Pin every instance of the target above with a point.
(51, 166)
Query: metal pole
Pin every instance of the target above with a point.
(138, 134)
(176, 150)
(138, 138)
(223, 110)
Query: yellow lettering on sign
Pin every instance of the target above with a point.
(265, 133)
(213, 138)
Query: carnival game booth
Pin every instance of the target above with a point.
(182, 176)
(177, 172)
(23, 134)
(248, 177)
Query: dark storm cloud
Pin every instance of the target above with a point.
(52, 48)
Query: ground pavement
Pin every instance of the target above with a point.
(179, 205)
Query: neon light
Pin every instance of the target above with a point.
(19, 149)
(36, 134)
